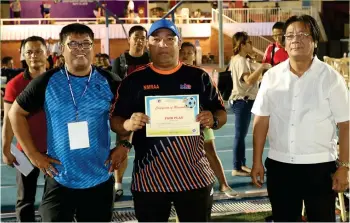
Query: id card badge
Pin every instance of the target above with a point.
(78, 133)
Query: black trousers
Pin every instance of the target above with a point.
(288, 185)
(190, 206)
(60, 203)
(26, 191)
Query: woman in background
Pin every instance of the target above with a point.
(45, 10)
(245, 88)
(16, 9)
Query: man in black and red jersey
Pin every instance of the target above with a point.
(35, 56)
(122, 66)
(167, 169)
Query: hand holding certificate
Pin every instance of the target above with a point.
(173, 115)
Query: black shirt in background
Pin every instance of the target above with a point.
(132, 64)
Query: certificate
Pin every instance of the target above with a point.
(173, 115)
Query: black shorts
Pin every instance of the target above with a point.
(17, 14)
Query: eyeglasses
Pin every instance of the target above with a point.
(73, 45)
(36, 53)
(290, 36)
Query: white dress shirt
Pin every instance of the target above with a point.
(303, 112)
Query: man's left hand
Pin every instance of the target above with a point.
(341, 179)
(206, 119)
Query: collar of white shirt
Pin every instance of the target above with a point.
(315, 65)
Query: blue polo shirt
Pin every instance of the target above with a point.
(81, 168)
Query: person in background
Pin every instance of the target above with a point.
(7, 69)
(98, 61)
(245, 88)
(103, 11)
(35, 55)
(97, 11)
(188, 55)
(136, 56)
(128, 62)
(197, 14)
(50, 46)
(53, 47)
(60, 61)
(275, 52)
(7, 63)
(301, 103)
(131, 11)
(100, 12)
(16, 9)
(105, 62)
(45, 10)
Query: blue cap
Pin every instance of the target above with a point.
(163, 24)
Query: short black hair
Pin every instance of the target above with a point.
(308, 21)
(34, 39)
(104, 55)
(185, 44)
(137, 28)
(5, 60)
(75, 28)
(278, 25)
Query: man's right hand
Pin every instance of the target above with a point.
(116, 157)
(257, 174)
(137, 121)
(43, 162)
(9, 159)
(265, 66)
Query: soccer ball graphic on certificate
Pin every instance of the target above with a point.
(190, 102)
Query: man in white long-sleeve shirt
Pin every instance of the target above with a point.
(301, 102)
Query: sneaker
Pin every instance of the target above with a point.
(246, 169)
(118, 194)
(240, 173)
(229, 192)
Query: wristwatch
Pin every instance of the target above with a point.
(125, 143)
(340, 163)
(216, 122)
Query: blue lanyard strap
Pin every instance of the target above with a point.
(71, 90)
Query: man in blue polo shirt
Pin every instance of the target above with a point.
(76, 100)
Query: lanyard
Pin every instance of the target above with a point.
(71, 91)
